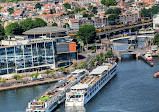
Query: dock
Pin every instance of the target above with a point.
(34, 83)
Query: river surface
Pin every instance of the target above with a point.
(133, 89)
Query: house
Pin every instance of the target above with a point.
(74, 24)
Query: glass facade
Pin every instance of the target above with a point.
(23, 58)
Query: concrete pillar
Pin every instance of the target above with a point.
(137, 56)
(6, 60)
(15, 60)
(23, 56)
(53, 52)
(119, 58)
(32, 54)
(37, 51)
(45, 52)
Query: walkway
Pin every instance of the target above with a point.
(138, 36)
(38, 82)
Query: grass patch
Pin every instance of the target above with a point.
(43, 98)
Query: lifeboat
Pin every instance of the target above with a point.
(156, 75)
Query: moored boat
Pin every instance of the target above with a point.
(82, 92)
(148, 57)
(56, 95)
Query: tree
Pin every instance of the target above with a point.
(87, 15)
(13, 29)
(67, 5)
(77, 10)
(83, 9)
(11, 10)
(54, 24)
(110, 53)
(156, 39)
(47, 72)
(44, 13)
(92, 62)
(40, 59)
(149, 12)
(94, 10)
(66, 24)
(38, 22)
(109, 11)
(17, 77)
(53, 73)
(27, 24)
(75, 65)
(109, 2)
(2, 33)
(83, 65)
(52, 11)
(62, 69)
(35, 76)
(112, 19)
(2, 80)
(87, 33)
(116, 11)
(38, 6)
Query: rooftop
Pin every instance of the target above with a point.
(99, 70)
(80, 86)
(44, 30)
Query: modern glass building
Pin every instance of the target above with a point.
(38, 54)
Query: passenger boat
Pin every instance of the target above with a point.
(56, 95)
(82, 92)
(148, 57)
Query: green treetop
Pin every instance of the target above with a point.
(156, 39)
(116, 11)
(38, 6)
(66, 24)
(54, 24)
(2, 32)
(38, 22)
(67, 5)
(27, 24)
(109, 2)
(87, 33)
(11, 10)
(13, 29)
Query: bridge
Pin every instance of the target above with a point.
(135, 52)
(126, 37)
(107, 32)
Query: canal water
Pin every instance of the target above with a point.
(133, 89)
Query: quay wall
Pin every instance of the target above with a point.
(34, 83)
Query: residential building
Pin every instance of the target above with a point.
(74, 24)
(129, 16)
(156, 22)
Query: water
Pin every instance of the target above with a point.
(133, 90)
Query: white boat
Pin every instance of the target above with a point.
(56, 95)
(148, 56)
(82, 92)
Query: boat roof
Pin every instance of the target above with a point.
(78, 70)
(99, 70)
(80, 86)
